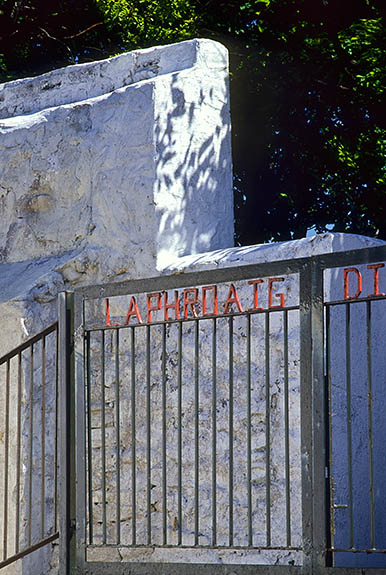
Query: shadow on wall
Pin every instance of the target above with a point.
(193, 188)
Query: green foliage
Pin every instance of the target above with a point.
(309, 142)
(141, 23)
(307, 94)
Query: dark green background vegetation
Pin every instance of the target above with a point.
(308, 82)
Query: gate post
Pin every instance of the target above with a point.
(305, 302)
(78, 548)
(312, 417)
(66, 416)
(318, 421)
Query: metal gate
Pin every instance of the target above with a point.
(355, 367)
(35, 449)
(208, 421)
(29, 447)
(225, 421)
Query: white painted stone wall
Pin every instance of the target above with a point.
(116, 170)
(107, 170)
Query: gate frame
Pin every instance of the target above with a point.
(313, 412)
(8, 560)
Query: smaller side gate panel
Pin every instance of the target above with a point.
(29, 449)
(356, 379)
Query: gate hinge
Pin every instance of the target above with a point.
(72, 528)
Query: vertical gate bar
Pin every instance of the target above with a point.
(89, 439)
(370, 421)
(117, 439)
(305, 297)
(267, 432)
(103, 437)
(6, 454)
(348, 423)
(249, 434)
(196, 433)
(65, 302)
(318, 420)
(329, 491)
(148, 433)
(231, 431)
(214, 432)
(30, 454)
(18, 453)
(286, 432)
(179, 438)
(78, 437)
(43, 437)
(133, 445)
(164, 478)
(63, 512)
(56, 418)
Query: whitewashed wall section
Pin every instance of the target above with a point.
(108, 170)
(111, 171)
(140, 172)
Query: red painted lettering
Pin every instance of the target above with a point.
(232, 298)
(271, 281)
(151, 308)
(255, 283)
(376, 267)
(358, 275)
(107, 314)
(190, 303)
(204, 303)
(133, 310)
(174, 305)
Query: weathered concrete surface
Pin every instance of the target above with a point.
(83, 81)
(144, 169)
(107, 171)
(312, 246)
(114, 184)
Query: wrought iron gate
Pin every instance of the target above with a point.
(218, 421)
(188, 456)
(29, 466)
(355, 367)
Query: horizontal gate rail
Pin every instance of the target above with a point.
(185, 279)
(216, 569)
(234, 273)
(29, 393)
